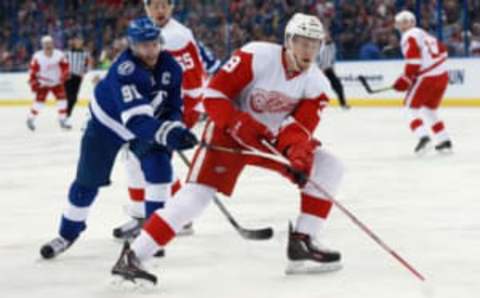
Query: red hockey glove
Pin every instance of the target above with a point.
(301, 155)
(248, 132)
(402, 84)
(290, 134)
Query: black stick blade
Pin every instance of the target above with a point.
(363, 81)
(260, 234)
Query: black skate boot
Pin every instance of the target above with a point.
(129, 268)
(422, 146)
(444, 147)
(54, 247)
(305, 256)
(129, 230)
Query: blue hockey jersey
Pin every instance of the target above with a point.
(132, 100)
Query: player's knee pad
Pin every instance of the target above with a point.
(135, 177)
(327, 173)
(81, 196)
(187, 204)
(155, 196)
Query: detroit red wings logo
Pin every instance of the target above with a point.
(263, 101)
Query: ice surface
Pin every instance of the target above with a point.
(428, 209)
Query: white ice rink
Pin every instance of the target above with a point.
(428, 209)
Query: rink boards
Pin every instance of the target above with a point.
(464, 87)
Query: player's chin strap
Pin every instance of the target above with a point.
(278, 157)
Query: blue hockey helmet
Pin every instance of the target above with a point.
(143, 30)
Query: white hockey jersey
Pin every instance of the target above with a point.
(257, 82)
(179, 42)
(49, 71)
(424, 54)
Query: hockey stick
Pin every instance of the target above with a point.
(257, 234)
(353, 218)
(366, 85)
(278, 157)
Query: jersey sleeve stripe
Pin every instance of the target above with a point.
(136, 111)
(413, 61)
(109, 122)
(212, 93)
(194, 93)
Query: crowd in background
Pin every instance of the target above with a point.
(361, 29)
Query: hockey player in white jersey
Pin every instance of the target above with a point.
(265, 92)
(425, 80)
(48, 73)
(181, 44)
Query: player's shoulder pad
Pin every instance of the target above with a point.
(168, 63)
(317, 82)
(260, 48)
(37, 54)
(58, 53)
(264, 53)
(127, 70)
(177, 36)
(412, 33)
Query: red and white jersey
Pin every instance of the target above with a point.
(49, 71)
(179, 42)
(257, 82)
(424, 54)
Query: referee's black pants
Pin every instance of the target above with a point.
(72, 87)
(336, 85)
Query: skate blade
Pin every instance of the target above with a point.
(445, 152)
(119, 283)
(425, 150)
(185, 232)
(310, 267)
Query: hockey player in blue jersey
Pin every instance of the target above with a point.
(138, 102)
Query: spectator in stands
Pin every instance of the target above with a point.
(222, 24)
(370, 50)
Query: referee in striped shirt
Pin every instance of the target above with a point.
(325, 61)
(80, 63)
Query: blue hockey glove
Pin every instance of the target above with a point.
(174, 136)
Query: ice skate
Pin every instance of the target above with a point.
(187, 230)
(64, 124)
(423, 146)
(308, 256)
(54, 247)
(444, 147)
(129, 269)
(31, 124)
(128, 230)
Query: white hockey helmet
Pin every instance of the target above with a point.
(46, 39)
(304, 25)
(405, 16)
